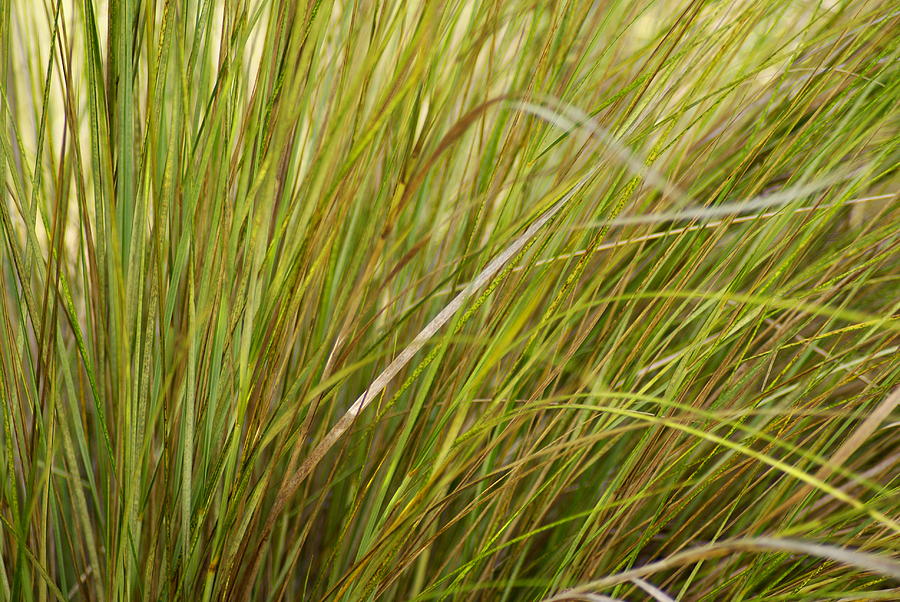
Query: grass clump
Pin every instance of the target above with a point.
(389, 300)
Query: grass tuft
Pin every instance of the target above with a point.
(386, 300)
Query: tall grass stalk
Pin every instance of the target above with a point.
(386, 300)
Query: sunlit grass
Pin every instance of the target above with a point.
(449, 300)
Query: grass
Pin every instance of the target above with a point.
(386, 300)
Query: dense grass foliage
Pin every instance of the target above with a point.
(463, 299)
